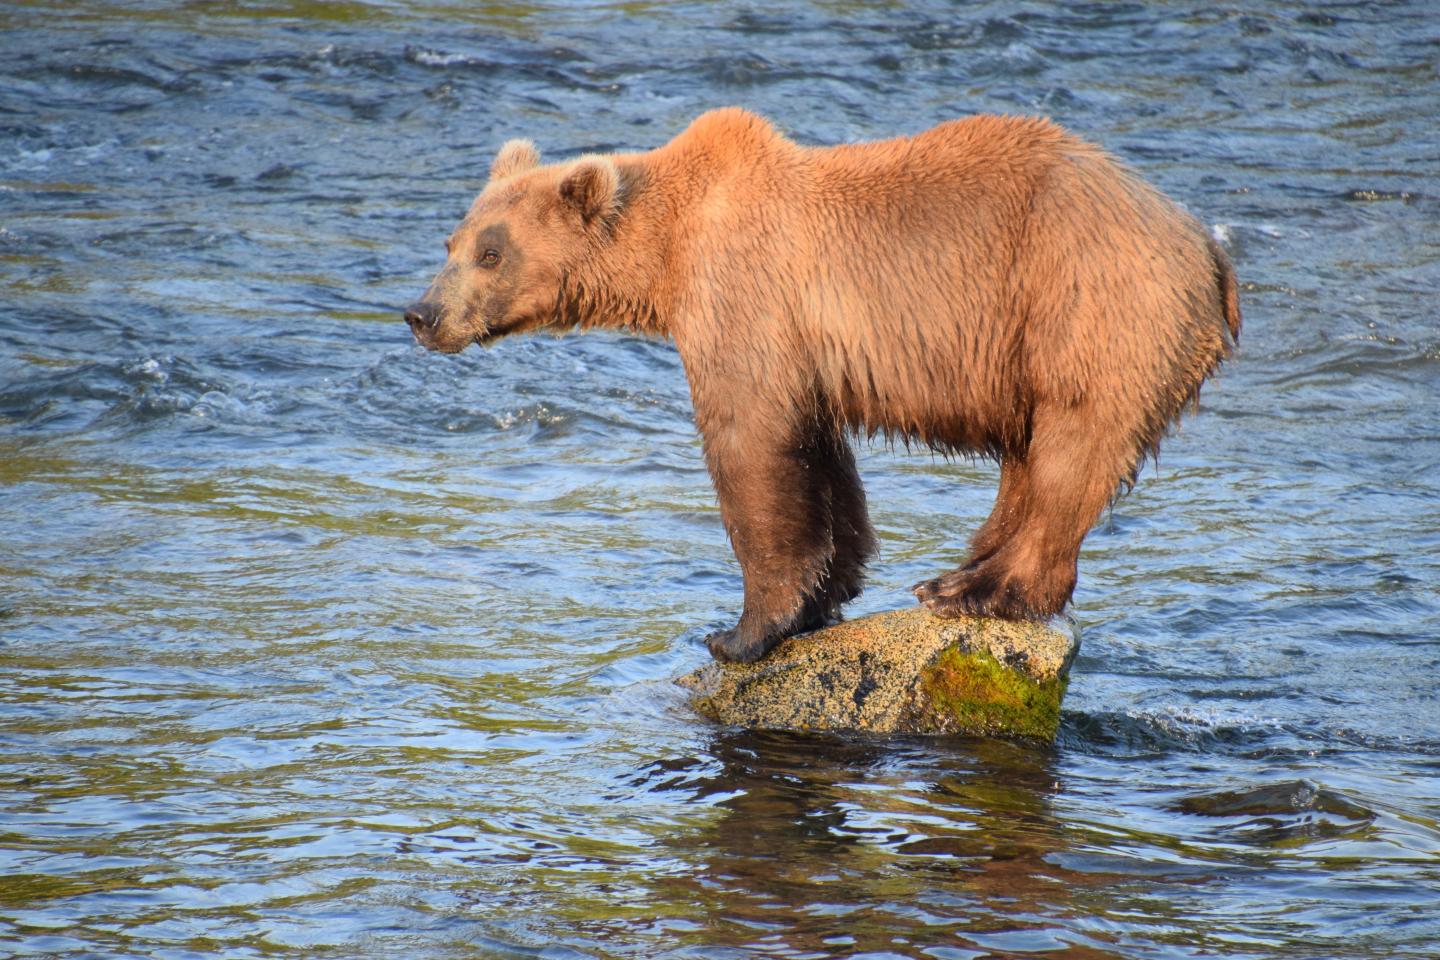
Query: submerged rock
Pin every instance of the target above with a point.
(906, 671)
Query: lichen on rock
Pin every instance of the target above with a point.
(906, 671)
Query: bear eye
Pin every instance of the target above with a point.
(489, 258)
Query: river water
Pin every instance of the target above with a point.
(313, 644)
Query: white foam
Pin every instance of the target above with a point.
(431, 58)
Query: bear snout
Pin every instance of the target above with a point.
(422, 314)
(423, 317)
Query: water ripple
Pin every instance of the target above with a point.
(315, 644)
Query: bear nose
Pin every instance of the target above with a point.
(422, 314)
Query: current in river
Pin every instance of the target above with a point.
(315, 644)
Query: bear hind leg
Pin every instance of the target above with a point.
(998, 529)
(1068, 476)
(1006, 515)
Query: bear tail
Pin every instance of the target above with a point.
(1229, 290)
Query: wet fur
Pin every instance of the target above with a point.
(993, 285)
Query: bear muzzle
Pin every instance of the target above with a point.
(422, 315)
(423, 318)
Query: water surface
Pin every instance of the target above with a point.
(314, 644)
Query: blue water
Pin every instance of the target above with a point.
(314, 644)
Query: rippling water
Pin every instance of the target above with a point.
(313, 644)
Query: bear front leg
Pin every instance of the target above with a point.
(852, 537)
(775, 502)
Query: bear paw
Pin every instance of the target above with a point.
(973, 593)
(733, 647)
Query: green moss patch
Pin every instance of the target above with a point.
(973, 693)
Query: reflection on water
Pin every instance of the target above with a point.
(832, 847)
(314, 644)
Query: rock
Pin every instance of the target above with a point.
(906, 671)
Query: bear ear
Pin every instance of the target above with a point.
(592, 187)
(516, 156)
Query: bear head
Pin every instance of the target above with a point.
(507, 262)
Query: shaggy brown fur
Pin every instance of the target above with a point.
(993, 285)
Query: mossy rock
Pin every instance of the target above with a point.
(906, 671)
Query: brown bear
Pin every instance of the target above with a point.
(991, 286)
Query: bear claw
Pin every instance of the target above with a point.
(951, 607)
(926, 589)
(970, 593)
